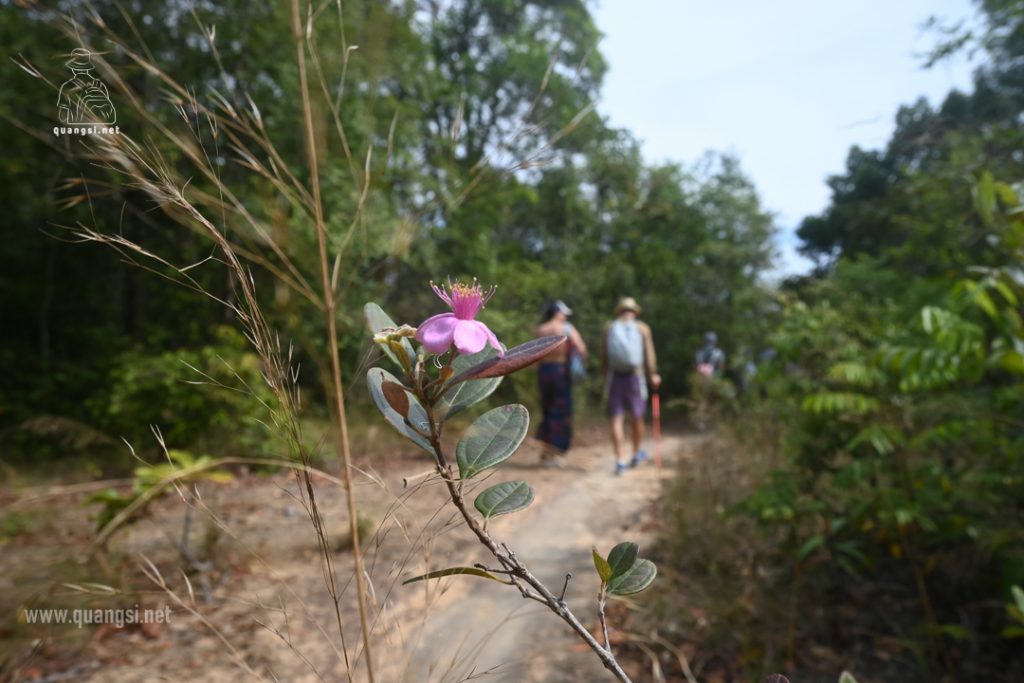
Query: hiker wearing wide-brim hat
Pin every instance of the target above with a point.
(627, 303)
(84, 99)
(628, 363)
(81, 59)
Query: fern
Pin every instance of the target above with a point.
(857, 374)
(839, 402)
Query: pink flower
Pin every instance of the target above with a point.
(438, 333)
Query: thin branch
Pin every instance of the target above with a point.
(518, 573)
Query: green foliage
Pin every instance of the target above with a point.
(113, 503)
(492, 439)
(453, 571)
(211, 397)
(412, 424)
(503, 498)
(637, 578)
(837, 402)
(466, 394)
(604, 570)
(439, 102)
(378, 321)
(419, 405)
(1015, 612)
(622, 557)
(622, 573)
(903, 437)
(151, 480)
(12, 525)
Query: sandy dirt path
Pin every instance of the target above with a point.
(264, 604)
(478, 626)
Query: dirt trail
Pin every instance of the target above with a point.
(479, 626)
(265, 603)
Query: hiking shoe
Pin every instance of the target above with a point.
(620, 467)
(638, 458)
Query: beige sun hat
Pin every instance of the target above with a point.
(627, 303)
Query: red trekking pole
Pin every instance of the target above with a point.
(656, 420)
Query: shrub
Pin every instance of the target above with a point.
(201, 399)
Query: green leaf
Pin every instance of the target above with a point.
(812, 544)
(838, 402)
(955, 631)
(492, 439)
(858, 374)
(377, 320)
(1007, 195)
(514, 359)
(183, 459)
(375, 379)
(636, 579)
(107, 496)
(1012, 361)
(452, 571)
(218, 476)
(1018, 597)
(847, 677)
(500, 499)
(604, 570)
(465, 394)
(622, 557)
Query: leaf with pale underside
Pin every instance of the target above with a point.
(491, 439)
(416, 415)
(378, 321)
(637, 578)
(500, 499)
(454, 571)
(514, 359)
(460, 396)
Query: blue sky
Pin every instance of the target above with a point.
(788, 86)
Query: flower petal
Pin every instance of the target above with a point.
(436, 332)
(471, 336)
(493, 340)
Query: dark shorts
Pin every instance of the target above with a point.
(625, 395)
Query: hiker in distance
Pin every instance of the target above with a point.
(710, 360)
(628, 363)
(709, 363)
(555, 375)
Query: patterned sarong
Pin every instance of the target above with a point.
(556, 405)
